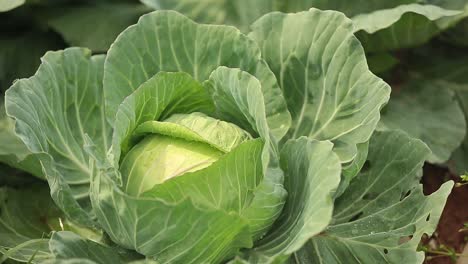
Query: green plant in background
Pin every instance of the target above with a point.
(196, 143)
(465, 227)
(441, 251)
(463, 180)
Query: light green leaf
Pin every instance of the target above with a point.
(383, 214)
(93, 26)
(69, 261)
(429, 111)
(168, 41)
(54, 110)
(322, 70)
(13, 151)
(223, 135)
(238, 260)
(385, 18)
(238, 98)
(228, 184)
(6, 5)
(144, 261)
(19, 57)
(402, 27)
(350, 170)
(312, 173)
(197, 127)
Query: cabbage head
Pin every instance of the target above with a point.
(194, 143)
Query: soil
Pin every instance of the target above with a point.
(454, 216)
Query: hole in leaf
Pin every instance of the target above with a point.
(428, 217)
(385, 251)
(404, 239)
(406, 195)
(356, 217)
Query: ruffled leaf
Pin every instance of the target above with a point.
(322, 70)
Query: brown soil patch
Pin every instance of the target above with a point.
(453, 218)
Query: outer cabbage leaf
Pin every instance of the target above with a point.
(403, 26)
(322, 71)
(429, 111)
(350, 8)
(27, 216)
(19, 57)
(168, 41)
(204, 11)
(458, 161)
(65, 245)
(312, 173)
(458, 34)
(55, 110)
(350, 170)
(13, 151)
(28, 219)
(95, 27)
(237, 97)
(448, 4)
(7, 5)
(381, 217)
(240, 13)
(450, 65)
